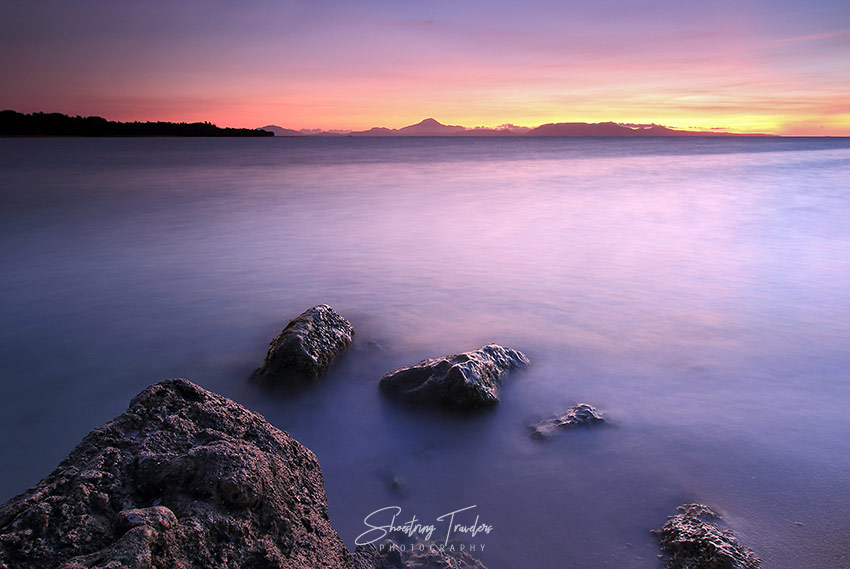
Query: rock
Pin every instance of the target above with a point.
(306, 347)
(230, 491)
(370, 557)
(692, 540)
(420, 555)
(156, 516)
(578, 415)
(466, 380)
(187, 479)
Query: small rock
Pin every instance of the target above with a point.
(578, 415)
(466, 380)
(692, 540)
(397, 483)
(306, 347)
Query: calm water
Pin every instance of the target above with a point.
(696, 290)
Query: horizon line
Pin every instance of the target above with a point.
(509, 129)
(505, 129)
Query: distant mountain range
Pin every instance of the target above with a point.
(280, 131)
(432, 127)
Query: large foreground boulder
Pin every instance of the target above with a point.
(580, 415)
(306, 347)
(184, 478)
(466, 380)
(692, 540)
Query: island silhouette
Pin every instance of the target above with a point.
(13, 123)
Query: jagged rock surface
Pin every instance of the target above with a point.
(429, 556)
(184, 478)
(306, 347)
(466, 380)
(692, 540)
(579, 415)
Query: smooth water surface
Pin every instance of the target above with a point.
(697, 291)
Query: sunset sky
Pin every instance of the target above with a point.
(778, 66)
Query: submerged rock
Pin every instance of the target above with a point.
(692, 540)
(306, 347)
(466, 380)
(183, 478)
(578, 415)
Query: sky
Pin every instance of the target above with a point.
(775, 66)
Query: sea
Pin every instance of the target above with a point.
(695, 290)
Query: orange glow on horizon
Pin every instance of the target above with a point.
(361, 65)
(299, 116)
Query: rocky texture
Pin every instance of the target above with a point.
(692, 540)
(421, 555)
(579, 415)
(306, 347)
(466, 380)
(184, 478)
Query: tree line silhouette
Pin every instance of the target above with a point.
(13, 123)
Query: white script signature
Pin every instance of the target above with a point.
(383, 522)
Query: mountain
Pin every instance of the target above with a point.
(432, 127)
(280, 131)
(615, 129)
(428, 127)
(582, 129)
(376, 131)
(481, 131)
